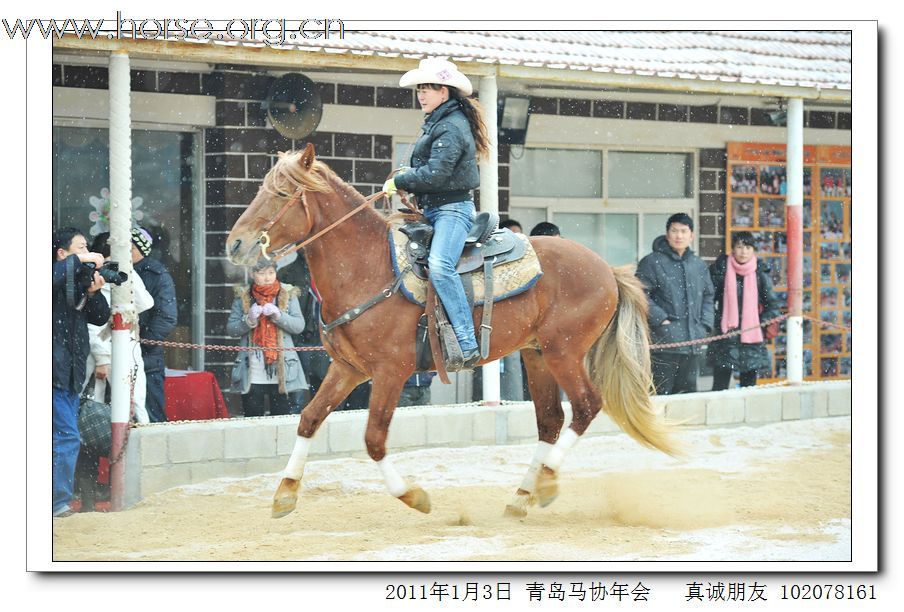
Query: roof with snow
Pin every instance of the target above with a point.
(788, 58)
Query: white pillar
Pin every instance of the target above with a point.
(123, 304)
(489, 201)
(794, 219)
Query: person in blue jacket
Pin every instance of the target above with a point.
(155, 323)
(76, 302)
(442, 175)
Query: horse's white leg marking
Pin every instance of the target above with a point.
(547, 488)
(395, 484)
(524, 496)
(556, 455)
(540, 454)
(295, 467)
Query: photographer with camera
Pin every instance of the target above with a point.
(76, 302)
(102, 339)
(155, 323)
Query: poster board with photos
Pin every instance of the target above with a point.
(755, 202)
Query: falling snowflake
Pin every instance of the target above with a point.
(101, 213)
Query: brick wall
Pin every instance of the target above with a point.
(711, 220)
(652, 111)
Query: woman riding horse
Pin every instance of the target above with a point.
(443, 172)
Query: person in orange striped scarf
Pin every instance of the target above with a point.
(265, 315)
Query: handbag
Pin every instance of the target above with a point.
(94, 426)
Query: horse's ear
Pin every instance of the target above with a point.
(307, 156)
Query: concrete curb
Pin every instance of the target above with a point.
(166, 455)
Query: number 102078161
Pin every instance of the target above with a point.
(829, 591)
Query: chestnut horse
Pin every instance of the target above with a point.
(581, 328)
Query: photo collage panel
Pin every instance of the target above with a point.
(756, 202)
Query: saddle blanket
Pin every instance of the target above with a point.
(509, 279)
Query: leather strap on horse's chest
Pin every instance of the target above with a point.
(357, 311)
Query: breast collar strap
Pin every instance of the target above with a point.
(357, 311)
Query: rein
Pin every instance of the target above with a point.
(354, 313)
(264, 239)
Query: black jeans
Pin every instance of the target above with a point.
(415, 396)
(253, 401)
(722, 378)
(155, 400)
(674, 373)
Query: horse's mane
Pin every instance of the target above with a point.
(288, 174)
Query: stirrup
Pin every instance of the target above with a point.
(471, 360)
(451, 350)
(453, 358)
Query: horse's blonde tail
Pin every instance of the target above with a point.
(619, 366)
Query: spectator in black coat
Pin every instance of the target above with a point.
(680, 294)
(545, 228)
(745, 353)
(155, 323)
(513, 225)
(76, 303)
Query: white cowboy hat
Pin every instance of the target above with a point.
(439, 71)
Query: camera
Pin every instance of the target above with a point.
(109, 272)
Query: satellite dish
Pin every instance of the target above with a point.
(293, 105)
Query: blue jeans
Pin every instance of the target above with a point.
(451, 224)
(66, 445)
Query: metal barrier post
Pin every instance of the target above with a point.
(123, 305)
(795, 230)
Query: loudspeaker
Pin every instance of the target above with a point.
(293, 105)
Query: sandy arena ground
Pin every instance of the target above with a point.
(778, 492)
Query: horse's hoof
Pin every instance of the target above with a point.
(515, 511)
(282, 507)
(518, 508)
(285, 498)
(547, 486)
(416, 498)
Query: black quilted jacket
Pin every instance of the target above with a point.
(444, 159)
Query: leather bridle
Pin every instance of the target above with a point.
(299, 196)
(264, 239)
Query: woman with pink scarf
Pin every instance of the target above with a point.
(743, 299)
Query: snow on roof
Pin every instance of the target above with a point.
(789, 58)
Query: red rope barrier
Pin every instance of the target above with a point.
(826, 323)
(736, 332)
(741, 331)
(227, 347)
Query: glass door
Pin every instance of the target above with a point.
(165, 201)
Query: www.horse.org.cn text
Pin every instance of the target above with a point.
(269, 31)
